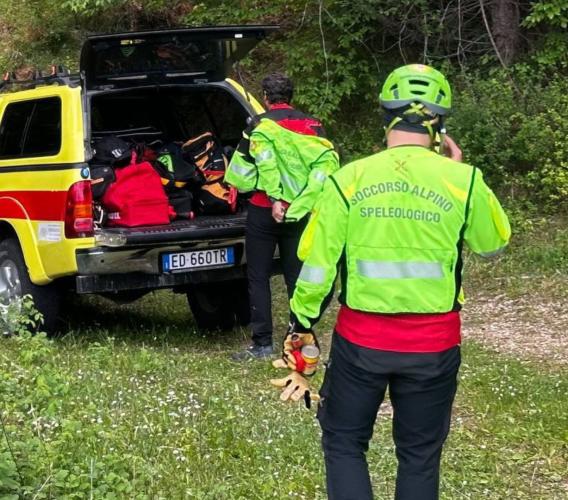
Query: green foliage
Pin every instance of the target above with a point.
(518, 141)
(9, 480)
(322, 49)
(331, 55)
(551, 18)
(88, 6)
(35, 33)
(552, 12)
(19, 317)
(552, 51)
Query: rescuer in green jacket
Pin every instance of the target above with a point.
(284, 160)
(394, 224)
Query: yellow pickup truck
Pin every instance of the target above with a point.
(166, 83)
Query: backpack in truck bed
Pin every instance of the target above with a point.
(108, 152)
(137, 197)
(174, 169)
(214, 196)
(179, 178)
(102, 176)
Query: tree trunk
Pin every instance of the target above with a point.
(505, 20)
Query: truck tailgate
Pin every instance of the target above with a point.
(203, 227)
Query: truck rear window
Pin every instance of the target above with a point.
(163, 54)
(31, 129)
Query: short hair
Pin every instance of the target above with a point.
(278, 88)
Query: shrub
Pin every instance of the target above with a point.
(19, 317)
(519, 141)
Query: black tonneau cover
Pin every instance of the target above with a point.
(183, 55)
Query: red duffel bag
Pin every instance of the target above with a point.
(136, 198)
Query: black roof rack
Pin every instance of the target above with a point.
(58, 74)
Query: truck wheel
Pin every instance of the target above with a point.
(15, 283)
(220, 305)
(211, 306)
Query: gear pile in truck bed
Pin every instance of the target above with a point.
(139, 183)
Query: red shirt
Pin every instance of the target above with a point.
(400, 332)
(260, 199)
(301, 126)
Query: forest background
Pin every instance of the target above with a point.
(136, 402)
(506, 59)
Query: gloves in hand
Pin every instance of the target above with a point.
(295, 387)
(291, 352)
(294, 341)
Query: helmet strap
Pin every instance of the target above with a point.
(414, 118)
(438, 140)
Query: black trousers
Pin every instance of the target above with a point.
(263, 233)
(421, 390)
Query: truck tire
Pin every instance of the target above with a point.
(219, 305)
(15, 282)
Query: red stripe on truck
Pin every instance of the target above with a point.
(33, 205)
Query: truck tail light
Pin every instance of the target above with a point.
(79, 211)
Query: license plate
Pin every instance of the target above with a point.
(180, 261)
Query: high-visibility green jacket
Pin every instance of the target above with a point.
(285, 165)
(395, 222)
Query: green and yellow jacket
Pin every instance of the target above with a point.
(286, 164)
(395, 224)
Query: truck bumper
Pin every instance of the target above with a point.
(103, 269)
(110, 283)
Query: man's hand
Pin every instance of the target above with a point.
(293, 360)
(295, 387)
(291, 351)
(294, 341)
(451, 149)
(279, 210)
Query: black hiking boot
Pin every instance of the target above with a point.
(253, 351)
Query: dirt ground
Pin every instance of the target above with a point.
(532, 327)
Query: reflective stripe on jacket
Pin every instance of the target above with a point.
(396, 223)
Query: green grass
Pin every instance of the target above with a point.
(142, 406)
(135, 403)
(537, 257)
